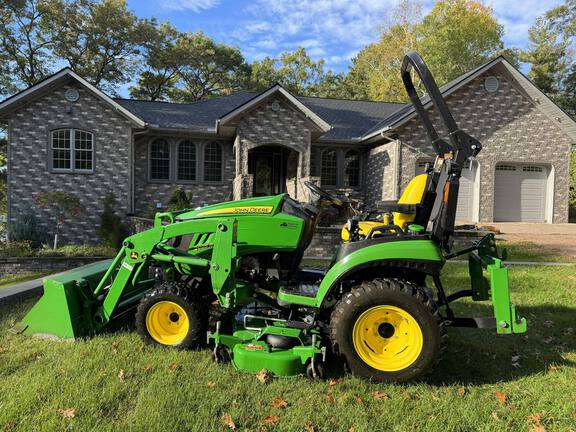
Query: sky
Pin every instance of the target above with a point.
(334, 30)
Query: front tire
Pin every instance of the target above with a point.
(170, 315)
(388, 330)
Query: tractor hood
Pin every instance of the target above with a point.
(268, 205)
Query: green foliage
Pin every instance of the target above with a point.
(454, 37)
(180, 200)
(207, 68)
(74, 250)
(299, 74)
(24, 43)
(16, 249)
(112, 230)
(26, 227)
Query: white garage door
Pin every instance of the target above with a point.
(520, 193)
(466, 193)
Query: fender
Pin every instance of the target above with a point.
(412, 251)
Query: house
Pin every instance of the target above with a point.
(65, 134)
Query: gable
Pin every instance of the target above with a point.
(57, 80)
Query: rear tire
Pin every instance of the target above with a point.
(170, 315)
(388, 330)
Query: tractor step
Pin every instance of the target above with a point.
(303, 289)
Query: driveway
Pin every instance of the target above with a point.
(558, 238)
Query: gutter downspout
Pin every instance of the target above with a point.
(131, 169)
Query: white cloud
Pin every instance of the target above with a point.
(192, 5)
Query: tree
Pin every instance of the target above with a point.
(162, 62)
(63, 205)
(455, 37)
(208, 68)
(25, 46)
(98, 39)
(298, 73)
(547, 55)
(375, 71)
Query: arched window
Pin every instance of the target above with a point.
(186, 160)
(72, 150)
(213, 162)
(329, 170)
(352, 168)
(159, 160)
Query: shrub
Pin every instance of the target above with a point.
(73, 250)
(16, 249)
(180, 200)
(26, 227)
(112, 230)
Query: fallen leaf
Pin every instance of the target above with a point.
(330, 398)
(147, 368)
(552, 367)
(495, 416)
(115, 347)
(173, 366)
(67, 412)
(516, 361)
(461, 391)
(227, 421)
(359, 400)
(334, 381)
(211, 384)
(351, 429)
(309, 426)
(378, 395)
(263, 376)
(536, 420)
(502, 398)
(270, 419)
(278, 402)
(121, 375)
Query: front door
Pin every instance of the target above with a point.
(268, 167)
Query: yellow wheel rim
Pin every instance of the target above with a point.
(387, 338)
(167, 323)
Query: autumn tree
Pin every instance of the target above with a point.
(454, 37)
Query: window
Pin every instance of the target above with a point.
(213, 162)
(329, 170)
(529, 168)
(72, 150)
(505, 168)
(352, 168)
(186, 160)
(159, 160)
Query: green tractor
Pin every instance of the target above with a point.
(231, 273)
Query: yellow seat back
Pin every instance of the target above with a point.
(412, 195)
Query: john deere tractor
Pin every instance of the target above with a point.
(229, 276)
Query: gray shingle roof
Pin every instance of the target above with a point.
(349, 118)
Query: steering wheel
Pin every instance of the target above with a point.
(323, 195)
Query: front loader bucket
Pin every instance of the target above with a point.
(65, 309)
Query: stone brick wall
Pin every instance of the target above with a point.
(380, 178)
(148, 192)
(510, 128)
(16, 266)
(267, 126)
(28, 150)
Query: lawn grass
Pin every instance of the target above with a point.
(527, 251)
(8, 281)
(115, 382)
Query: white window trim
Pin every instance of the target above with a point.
(72, 150)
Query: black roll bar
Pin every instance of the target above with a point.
(461, 145)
